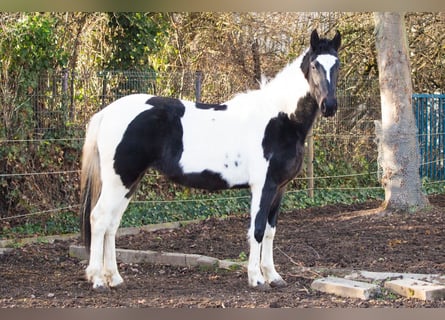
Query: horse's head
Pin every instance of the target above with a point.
(320, 67)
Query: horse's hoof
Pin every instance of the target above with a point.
(262, 286)
(279, 283)
(101, 288)
(121, 285)
(116, 282)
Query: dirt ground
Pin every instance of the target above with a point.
(352, 237)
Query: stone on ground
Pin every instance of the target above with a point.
(346, 288)
(413, 288)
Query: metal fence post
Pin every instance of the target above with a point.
(104, 88)
(198, 85)
(310, 164)
(73, 111)
(69, 113)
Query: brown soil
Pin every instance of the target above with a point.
(333, 237)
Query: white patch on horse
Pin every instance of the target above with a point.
(211, 141)
(327, 61)
(222, 141)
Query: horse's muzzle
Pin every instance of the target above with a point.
(328, 107)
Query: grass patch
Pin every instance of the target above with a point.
(192, 206)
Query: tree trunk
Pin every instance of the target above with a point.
(396, 134)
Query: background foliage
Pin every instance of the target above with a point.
(56, 69)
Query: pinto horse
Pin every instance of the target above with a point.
(254, 140)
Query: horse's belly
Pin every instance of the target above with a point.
(215, 164)
(206, 180)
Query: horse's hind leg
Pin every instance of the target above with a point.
(111, 272)
(95, 266)
(105, 218)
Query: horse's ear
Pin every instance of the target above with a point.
(336, 41)
(314, 39)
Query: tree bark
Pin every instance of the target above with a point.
(396, 133)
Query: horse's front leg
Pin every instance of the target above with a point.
(262, 197)
(267, 263)
(255, 277)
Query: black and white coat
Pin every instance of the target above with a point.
(254, 140)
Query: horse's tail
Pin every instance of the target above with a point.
(90, 181)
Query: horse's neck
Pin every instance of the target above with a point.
(280, 95)
(305, 114)
(286, 89)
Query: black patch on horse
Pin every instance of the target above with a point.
(281, 147)
(304, 116)
(152, 139)
(209, 106)
(175, 105)
(206, 179)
